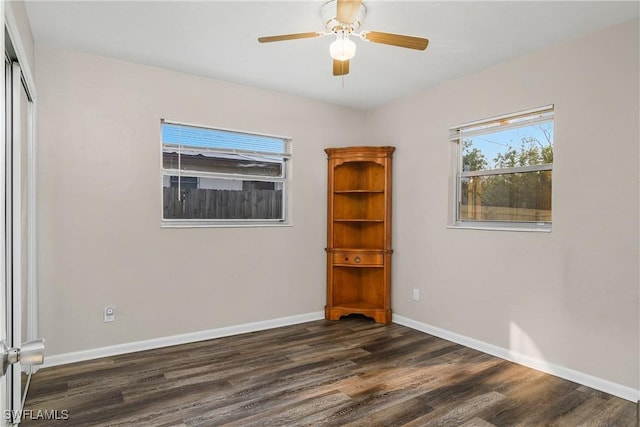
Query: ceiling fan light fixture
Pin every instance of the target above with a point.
(342, 48)
(344, 18)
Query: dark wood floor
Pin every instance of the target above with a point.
(350, 372)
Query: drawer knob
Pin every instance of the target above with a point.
(357, 259)
(346, 258)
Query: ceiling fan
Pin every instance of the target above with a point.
(343, 18)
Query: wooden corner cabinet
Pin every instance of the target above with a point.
(359, 233)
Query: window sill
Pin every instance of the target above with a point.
(231, 224)
(502, 226)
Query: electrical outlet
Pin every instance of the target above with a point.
(109, 314)
(416, 295)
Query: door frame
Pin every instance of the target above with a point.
(12, 28)
(10, 393)
(4, 386)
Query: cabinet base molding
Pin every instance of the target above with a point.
(378, 315)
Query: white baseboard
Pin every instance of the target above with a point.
(114, 350)
(609, 387)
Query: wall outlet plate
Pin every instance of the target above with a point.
(416, 295)
(109, 314)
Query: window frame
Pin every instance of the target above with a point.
(284, 178)
(515, 120)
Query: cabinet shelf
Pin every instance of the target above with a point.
(359, 233)
(359, 249)
(335, 264)
(359, 206)
(357, 220)
(357, 191)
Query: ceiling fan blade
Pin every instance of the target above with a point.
(409, 42)
(340, 68)
(347, 10)
(283, 37)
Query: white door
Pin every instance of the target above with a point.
(17, 211)
(6, 390)
(15, 231)
(15, 190)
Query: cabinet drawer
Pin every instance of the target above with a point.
(358, 258)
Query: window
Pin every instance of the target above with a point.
(214, 176)
(503, 171)
(184, 182)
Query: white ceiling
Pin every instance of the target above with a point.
(217, 39)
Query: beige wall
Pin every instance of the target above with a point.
(569, 297)
(100, 241)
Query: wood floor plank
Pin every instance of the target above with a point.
(351, 372)
(466, 410)
(295, 413)
(477, 422)
(399, 413)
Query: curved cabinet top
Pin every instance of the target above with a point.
(360, 151)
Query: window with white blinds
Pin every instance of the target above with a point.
(221, 177)
(503, 171)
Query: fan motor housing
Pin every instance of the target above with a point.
(328, 13)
